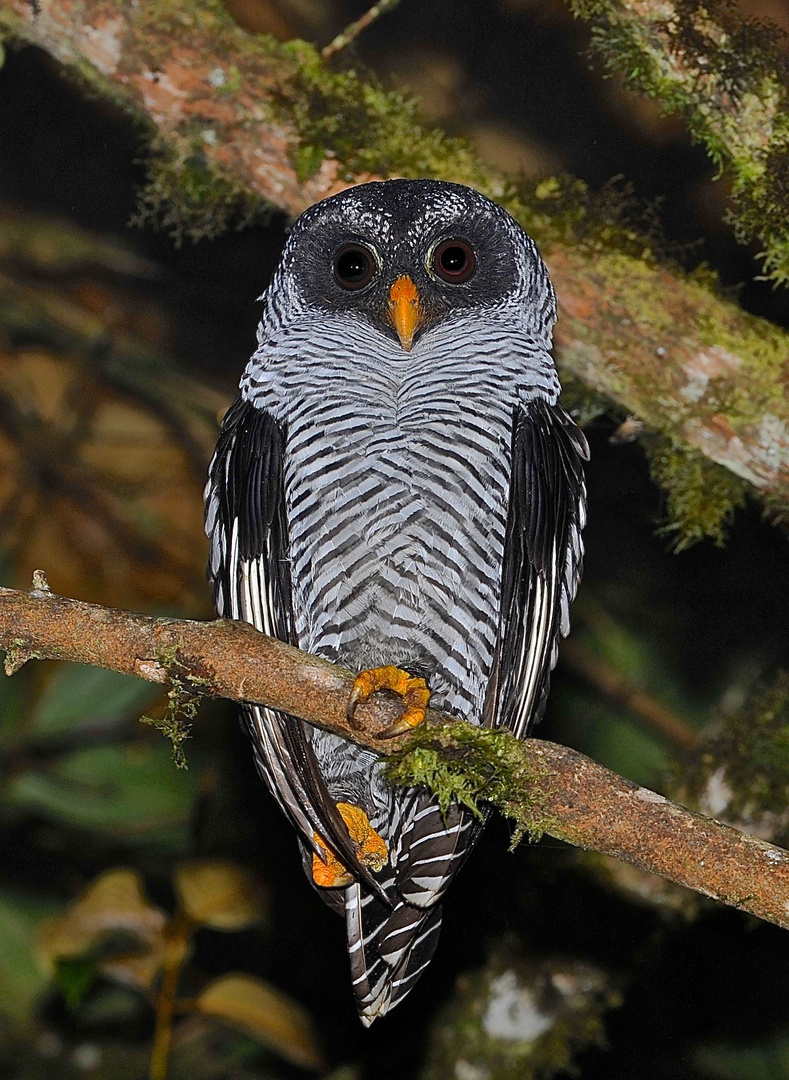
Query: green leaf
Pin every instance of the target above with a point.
(767, 1061)
(73, 977)
(608, 735)
(22, 978)
(115, 901)
(132, 791)
(78, 696)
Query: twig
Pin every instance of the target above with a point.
(550, 788)
(613, 684)
(351, 32)
(176, 952)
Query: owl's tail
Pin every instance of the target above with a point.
(391, 946)
(388, 948)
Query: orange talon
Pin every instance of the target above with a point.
(328, 871)
(411, 689)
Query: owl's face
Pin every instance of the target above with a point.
(405, 255)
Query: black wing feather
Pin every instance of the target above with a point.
(542, 559)
(247, 526)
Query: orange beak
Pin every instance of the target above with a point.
(405, 311)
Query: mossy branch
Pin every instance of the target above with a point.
(238, 123)
(543, 787)
(728, 76)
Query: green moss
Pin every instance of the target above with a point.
(185, 196)
(701, 496)
(366, 128)
(183, 701)
(471, 765)
(584, 404)
(749, 749)
(561, 210)
(728, 77)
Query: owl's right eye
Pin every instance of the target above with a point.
(354, 266)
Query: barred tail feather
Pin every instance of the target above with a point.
(388, 950)
(433, 847)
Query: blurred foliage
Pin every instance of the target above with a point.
(741, 770)
(70, 756)
(769, 1060)
(520, 1019)
(102, 440)
(112, 931)
(21, 978)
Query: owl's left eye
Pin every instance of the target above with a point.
(354, 266)
(454, 261)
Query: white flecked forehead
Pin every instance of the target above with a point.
(394, 205)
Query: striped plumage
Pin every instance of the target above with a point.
(417, 508)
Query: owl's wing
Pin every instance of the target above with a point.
(249, 571)
(542, 558)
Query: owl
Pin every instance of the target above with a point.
(397, 488)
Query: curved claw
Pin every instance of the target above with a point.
(410, 688)
(357, 695)
(328, 871)
(412, 717)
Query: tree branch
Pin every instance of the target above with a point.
(727, 75)
(545, 787)
(238, 121)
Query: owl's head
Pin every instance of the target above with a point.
(407, 255)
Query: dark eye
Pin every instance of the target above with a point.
(354, 266)
(454, 261)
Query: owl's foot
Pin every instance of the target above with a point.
(412, 690)
(328, 871)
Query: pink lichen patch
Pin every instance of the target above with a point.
(717, 441)
(761, 456)
(703, 366)
(576, 305)
(772, 444)
(101, 41)
(162, 98)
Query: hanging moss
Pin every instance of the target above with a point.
(728, 77)
(186, 197)
(472, 765)
(701, 497)
(183, 701)
(366, 128)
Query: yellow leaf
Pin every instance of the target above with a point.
(219, 894)
(266, 1014)
(114, 901)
